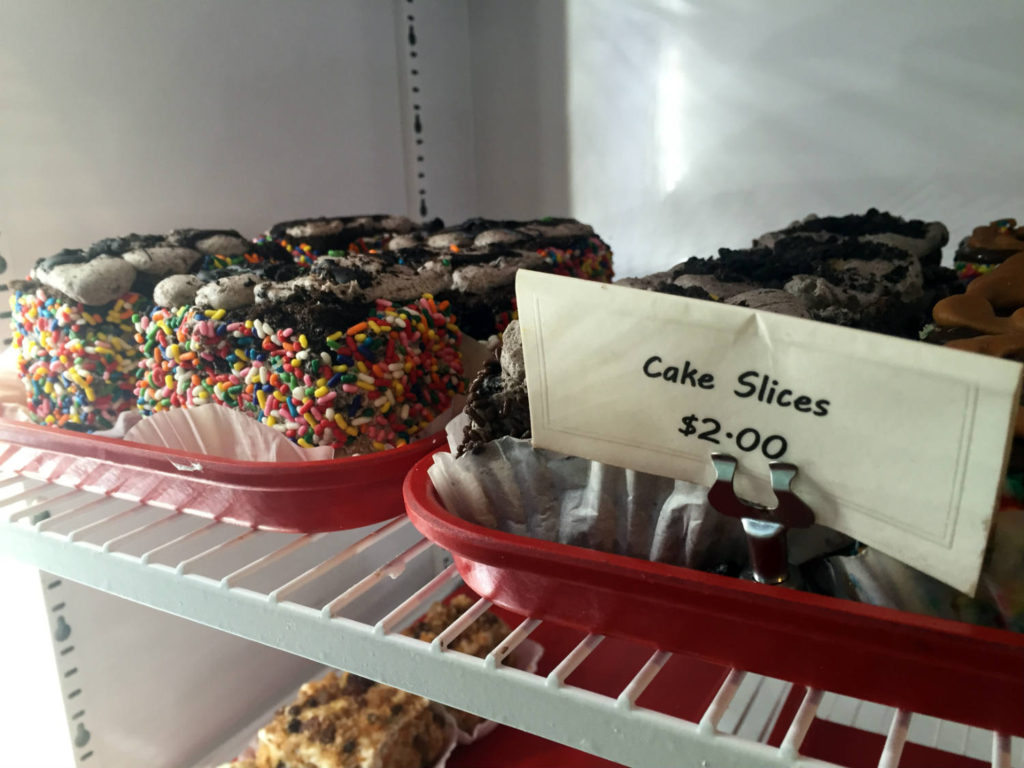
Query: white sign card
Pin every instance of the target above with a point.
(899, 444)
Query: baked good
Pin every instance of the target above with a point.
(479, 639)
(309, 239)
(875, 272)
(72, 320)
(987, 247)
(359, 351)
(345, 721)
(485, 254)
(358, 378)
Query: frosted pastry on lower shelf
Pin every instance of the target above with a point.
(346, 721)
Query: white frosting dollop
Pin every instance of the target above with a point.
(223, 245)
(496, 236)
(163, 259)
(177, 290)
(95, 282)
(448, 239)
(479, 278)
(228, 292)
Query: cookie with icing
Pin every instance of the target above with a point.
(987, 247)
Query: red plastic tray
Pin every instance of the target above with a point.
(951, 670)
(304, 497)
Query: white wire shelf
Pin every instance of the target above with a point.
(341, 598)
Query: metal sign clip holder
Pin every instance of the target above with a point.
(765, 527)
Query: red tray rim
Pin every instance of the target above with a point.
(422, 501)
(37, 436)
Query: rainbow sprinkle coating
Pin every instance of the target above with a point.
(968, 270)
(304, 254)
(594, 262)
(370, 387)
(78, 363)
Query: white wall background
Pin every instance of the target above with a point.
(119, 116)
(701, 123)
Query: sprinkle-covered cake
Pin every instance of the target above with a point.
(359, 350)
(357, 378)
(72, 320)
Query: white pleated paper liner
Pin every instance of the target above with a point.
(510, 486)
(213, 430)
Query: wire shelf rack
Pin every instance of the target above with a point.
(341, 598)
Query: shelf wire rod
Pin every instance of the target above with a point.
(185, 565)
(270, 558)
(88, 502)
(318, 570)
(26, 494)
(394, 569)
(109, 545)
(716, 709)
(412, 604)
(77, 534)
(460, 625)
(895, 740)
(1000, 750)
(557, 676)
(797, 731)
(148, 555)
(7, 482)
(511, 642)
(642, 679)
(49, 501)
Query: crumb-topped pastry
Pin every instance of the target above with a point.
(346, 721)
(876, 272)
(479, 639)
(987, 247)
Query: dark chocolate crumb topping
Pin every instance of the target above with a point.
(874, 222)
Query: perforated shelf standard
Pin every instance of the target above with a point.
(341, 599)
